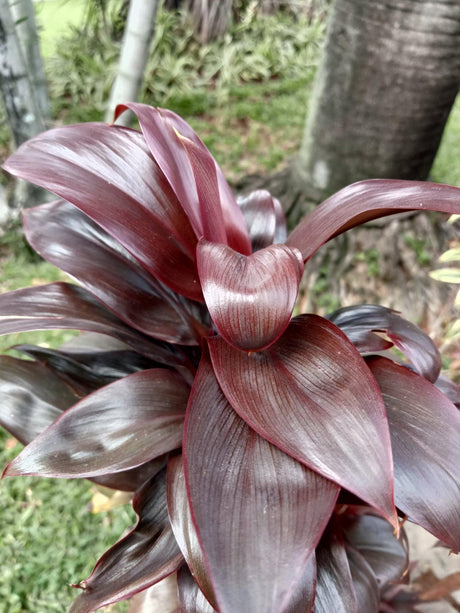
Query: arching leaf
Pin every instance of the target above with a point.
(67, 238)
(279, 507)
(425, 437)
(312, 395)
(365, 201)
(109, 173)
(250, 299)
(142, 558)
(141, 417)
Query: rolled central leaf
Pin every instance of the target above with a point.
(250, 298)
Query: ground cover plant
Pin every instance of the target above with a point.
(273, 458)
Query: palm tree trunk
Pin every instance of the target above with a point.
(134, 53)
(22, 109)
(23, 14)
(389, 76)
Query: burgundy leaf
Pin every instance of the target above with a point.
(132, 479)
(360, 322)
(374, 538)
(264, 217)
(312, 395)
(192, 599)
(449, 389)
(334, 585)
(108, 173)
(364, 582)
(85, 371)
(144, 557)
(67, 238)
(425, 437)
(236, 230)
(32, 397)
(194, 175)
(304, 596)
(141, 417)
(365, 201)
(67, 306)
(250, 298)
(183, 527)
(279, 507)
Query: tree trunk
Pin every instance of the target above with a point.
(133, 57)
(210, 18)
(22, 109)
(21, 106)
(23, 14)
(389, 76)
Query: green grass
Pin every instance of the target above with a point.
(49, 539)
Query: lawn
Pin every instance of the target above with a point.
(49, 537)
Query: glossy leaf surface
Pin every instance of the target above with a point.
(85, 371)
(374, 539)
(334, 586)
(194, 175)
(141, 417)
(184, 528)
(365, 201)
(264, 218)
(32, 398)
(145, 556)
(360, 322)
(250, 299)
(425, 437)
(364, 582)
(109, 173)
(67, 238)
(257, 554)
(313, 396)
(191, 597)
(59, 306)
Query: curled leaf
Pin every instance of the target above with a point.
(250, 298)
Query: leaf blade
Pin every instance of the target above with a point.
(299, 395)
(279, 507)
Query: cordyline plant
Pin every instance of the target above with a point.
(272, 458)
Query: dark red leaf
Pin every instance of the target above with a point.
(312, 395)
(450, 389)
(304, 596)
(144, 557)
(264, 218)
(67, 306)
(192, 599)
(131, 480)
(85, 371)
(334, 585)
(258, 512)
(141, 417)
(184, 528)
(374, 538)
(425, 437)
(360, 322)
(365, 201)
(108, 173)
(364, 582)
(250, 298)
(162, 131)
(67, 238)
(32, 397)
